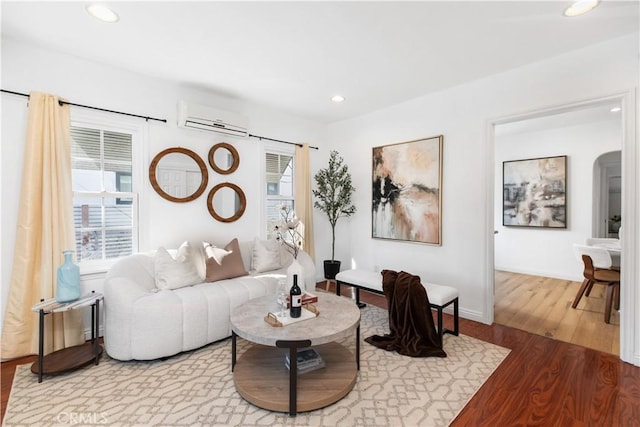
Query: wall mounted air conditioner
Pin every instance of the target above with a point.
(196, 116)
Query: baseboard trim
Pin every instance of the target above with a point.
(87, 333)
(474, 315)
(538, 273)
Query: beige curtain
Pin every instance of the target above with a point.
(304, 203)
(44, 230)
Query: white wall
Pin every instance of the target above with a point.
(462, 114)
(549, 252)
(26, 68)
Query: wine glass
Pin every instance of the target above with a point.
(282, 297)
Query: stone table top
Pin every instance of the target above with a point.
(338, 318)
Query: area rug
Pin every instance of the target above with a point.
(196, 389)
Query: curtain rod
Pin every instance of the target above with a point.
(147, 118)
(279, 140)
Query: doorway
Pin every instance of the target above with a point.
(536, 274)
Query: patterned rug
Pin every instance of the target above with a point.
(196, 389)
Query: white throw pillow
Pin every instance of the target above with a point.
(175, 273)
(188, 253)
(266, 255)
(185, 253)
(214, 252)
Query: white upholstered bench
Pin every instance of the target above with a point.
(440, 296)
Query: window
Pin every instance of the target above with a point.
(279, 187)
(104, 202)
(123, 184)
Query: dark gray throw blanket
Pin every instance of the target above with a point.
(412, 331)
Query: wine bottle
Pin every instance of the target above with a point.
(295, 296)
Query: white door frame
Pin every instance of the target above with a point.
(630, 259)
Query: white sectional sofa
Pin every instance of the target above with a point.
(143, 322)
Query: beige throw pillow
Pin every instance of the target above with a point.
(175, 273)
(230, 267)
(266, 255)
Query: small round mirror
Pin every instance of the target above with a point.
(178, 174)
(226, 202)
(224, 158)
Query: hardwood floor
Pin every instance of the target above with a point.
(548, 383)
(542, 382)
(542, 305)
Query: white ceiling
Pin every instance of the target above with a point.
(295, 55)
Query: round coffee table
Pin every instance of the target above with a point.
(260, 374)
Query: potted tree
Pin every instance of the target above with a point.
(333, 197)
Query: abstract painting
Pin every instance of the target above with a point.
(534, 192)
(407, 191)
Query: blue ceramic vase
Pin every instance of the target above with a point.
(68, 283)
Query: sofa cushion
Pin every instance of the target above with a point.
(230, 267)
(266, 255)
(176, 273)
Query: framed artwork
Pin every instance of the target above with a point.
(534, 192)
(407, 191)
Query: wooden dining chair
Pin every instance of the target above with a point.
(597, 270)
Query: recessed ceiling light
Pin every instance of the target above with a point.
(615, 109)
(337, 98)
(580, 7)
(102, 12)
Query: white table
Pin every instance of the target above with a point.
(614, 248)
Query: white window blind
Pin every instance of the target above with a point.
(104, 201)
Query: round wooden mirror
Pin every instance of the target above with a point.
(178, 174)
(226, 202)
(224, 158)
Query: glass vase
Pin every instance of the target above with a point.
(68, 279)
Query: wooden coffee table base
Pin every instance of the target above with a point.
(261, 378)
